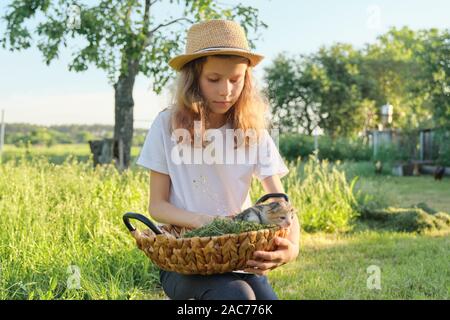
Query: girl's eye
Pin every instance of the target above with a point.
(215, 80)
(282, 218)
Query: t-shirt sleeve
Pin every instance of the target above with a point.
(269, 161)
(153, 155)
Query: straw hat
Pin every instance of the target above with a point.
(215, 37)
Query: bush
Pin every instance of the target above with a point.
(293, 145)
(389, 153)
(442, 138)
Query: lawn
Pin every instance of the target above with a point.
(412, 266)
(55, 219)
(406, 191)
(335, 267)
(55, 153)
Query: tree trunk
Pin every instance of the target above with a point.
(124, 103)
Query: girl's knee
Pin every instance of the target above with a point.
(234, 290)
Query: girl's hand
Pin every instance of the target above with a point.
(264, 261)
(202, 219)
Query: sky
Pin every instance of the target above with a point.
(32, 92)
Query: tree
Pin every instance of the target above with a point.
(411, 70)
(434, 56)
(290, 92)
(393, 65)
(340, 98)
(341, 89)
(121, 37)
(321, 89)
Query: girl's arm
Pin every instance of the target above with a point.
(163, 211)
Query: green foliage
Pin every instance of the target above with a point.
(221, 226)
(321, 194)
(23, 134)
(442, 143)
(324, 199)
(294, 145)
(321, 89)
(56, 216)
(434, 81)
(388, 153)
(53, 217)
(341, 89)
(353, 149)
(117, 35)
(284, 86)
(56, 154)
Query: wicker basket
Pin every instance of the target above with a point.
(166, 247)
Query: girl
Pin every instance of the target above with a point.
(214, 93)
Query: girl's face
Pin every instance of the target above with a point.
(221, 82)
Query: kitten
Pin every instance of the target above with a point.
(281, 214)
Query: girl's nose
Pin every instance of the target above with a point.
(225, 89)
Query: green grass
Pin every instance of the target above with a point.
(407, 191)
(56, 216)
(56, 154)
(335, 267)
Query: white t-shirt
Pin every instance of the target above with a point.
(208, 187)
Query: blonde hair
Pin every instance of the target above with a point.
(249, 111)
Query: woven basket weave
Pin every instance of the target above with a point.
(202, 255)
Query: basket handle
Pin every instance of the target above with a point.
(131, 215)
(273, 195)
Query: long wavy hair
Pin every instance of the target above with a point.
(249, 111)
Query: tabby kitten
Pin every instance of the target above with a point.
(279, 213)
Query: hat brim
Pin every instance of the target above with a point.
(179, 61)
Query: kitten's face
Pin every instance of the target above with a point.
(280, 213)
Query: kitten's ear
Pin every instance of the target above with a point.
(269, 209)
(273, 205)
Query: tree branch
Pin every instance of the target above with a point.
(150, 33)
(146, 16)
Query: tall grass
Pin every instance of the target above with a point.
(320, 192)
(56, 220)
(53, 217)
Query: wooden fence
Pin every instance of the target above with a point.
(419, 145)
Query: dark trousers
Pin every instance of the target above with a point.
(226, 286)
